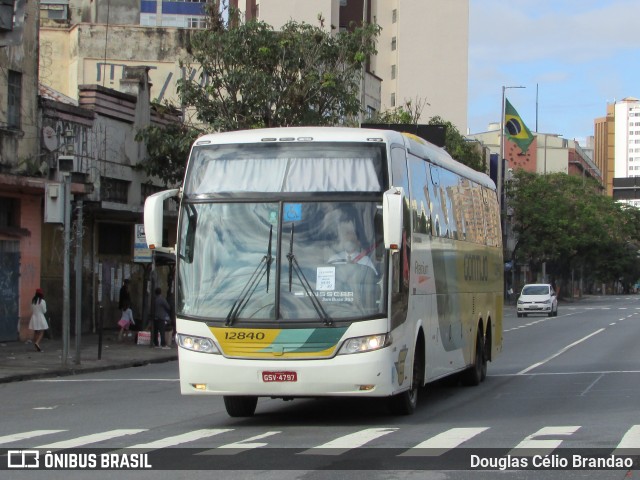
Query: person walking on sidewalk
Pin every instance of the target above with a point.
(161, 320)
(126, 320)
(38, 322)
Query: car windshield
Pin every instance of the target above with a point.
(280, 261)
(535, 290)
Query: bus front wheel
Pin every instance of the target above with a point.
(405, 403)
(240, 406)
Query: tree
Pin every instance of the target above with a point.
(455, 143)
(408, 114)
(566, 222)
(247, 75)
(459, 147)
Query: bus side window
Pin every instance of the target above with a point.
(421, 211)
(439, 226)
(449, 188)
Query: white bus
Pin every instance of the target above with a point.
(321, 261)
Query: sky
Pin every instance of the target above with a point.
(573, 56)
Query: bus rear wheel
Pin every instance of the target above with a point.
(240, 406)
(478, 371)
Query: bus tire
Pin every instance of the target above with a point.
(238, 406)
(478, 371)
(405, 403)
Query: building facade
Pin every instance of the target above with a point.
(617, 149)
(22, 171)
(92, 142)
(548, 153)
(423, 48)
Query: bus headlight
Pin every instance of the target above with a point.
(365, 344)
(197, 344)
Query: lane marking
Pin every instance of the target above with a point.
(586, 390)
(183, 438)
(443, 442)
(605, 372)
(94, 438)
(560, 352)
(75, 380)
(348, 442)
(249, 443)
(24, 435)
(531, 445)
(631, 439)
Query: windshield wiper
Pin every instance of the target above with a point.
(293, 265)
(245, 295)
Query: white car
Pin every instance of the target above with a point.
(538, 298)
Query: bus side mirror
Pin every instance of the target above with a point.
(153, 214)
(392, 217)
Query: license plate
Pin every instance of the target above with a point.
(279, 376)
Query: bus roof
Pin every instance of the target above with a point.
(413, 143)
(441, 157)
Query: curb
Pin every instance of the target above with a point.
(71, 371)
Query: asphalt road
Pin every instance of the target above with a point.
(563, 385)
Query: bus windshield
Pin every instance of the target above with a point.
(280, 261)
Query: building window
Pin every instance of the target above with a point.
(114, 190)
(393, 72)
(394, 43)
(115, 239)
(196, 22)
(394, 15)
(14, 98)
(9, 212)
(393, 99)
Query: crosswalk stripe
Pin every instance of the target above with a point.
(443, 442)
(533, 446)
(631, 439)
(24, 435)
(544, 441)
(348, 442)
(250, 443)
(94, 438)
(183, 438)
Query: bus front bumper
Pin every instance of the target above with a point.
(373, 374)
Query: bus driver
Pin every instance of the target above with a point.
(350, 246)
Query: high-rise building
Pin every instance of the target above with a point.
(617, 149)
(422, 49)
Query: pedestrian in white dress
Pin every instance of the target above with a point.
(38, 322)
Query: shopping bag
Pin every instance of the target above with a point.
(144, 338)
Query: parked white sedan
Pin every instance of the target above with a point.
(537, 298)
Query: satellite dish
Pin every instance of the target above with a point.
(49, 138)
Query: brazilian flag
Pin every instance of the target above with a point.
(515, 128)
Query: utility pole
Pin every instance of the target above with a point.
(79, 227)
(66, 270)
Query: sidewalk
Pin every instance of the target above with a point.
(20, 361)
